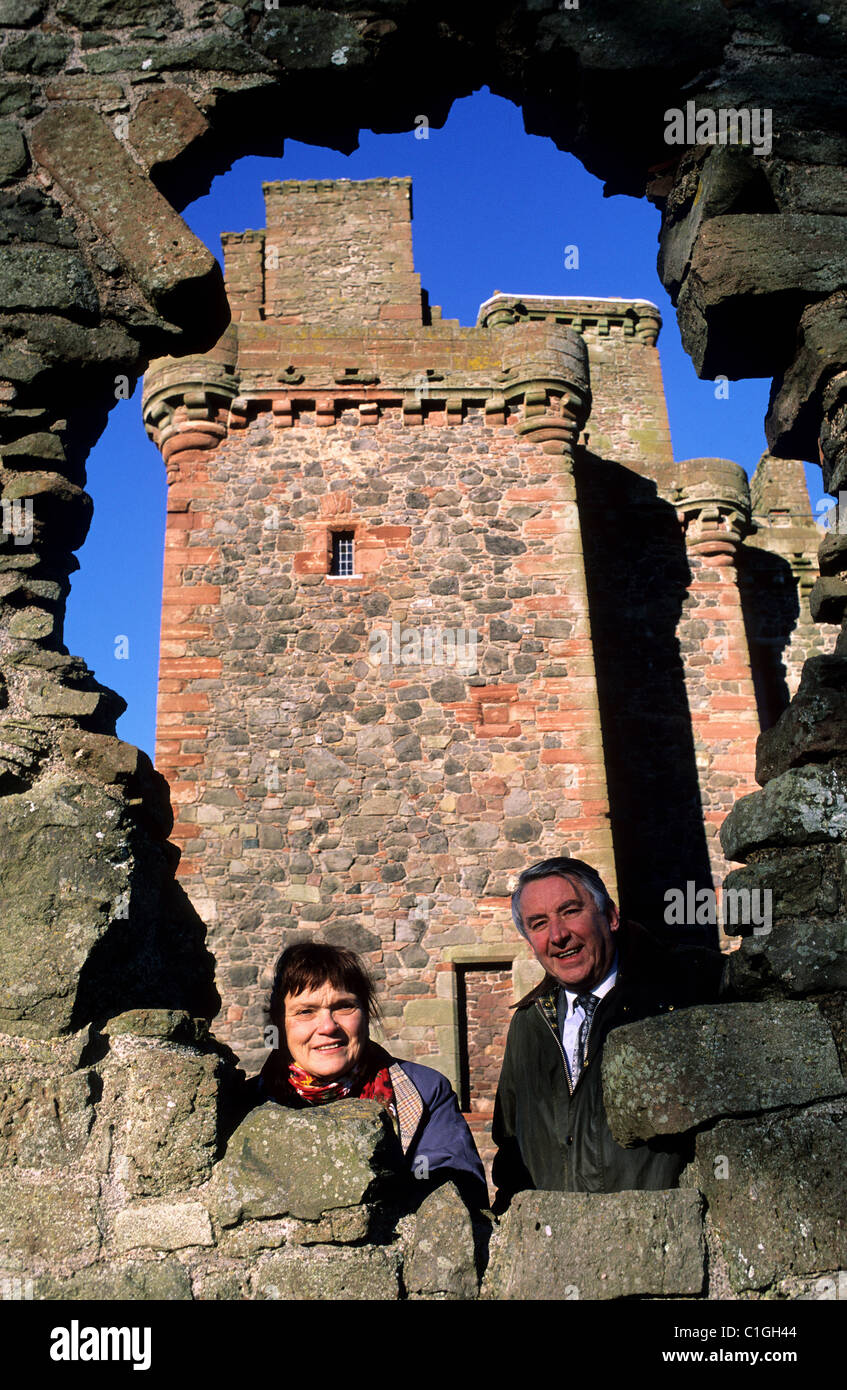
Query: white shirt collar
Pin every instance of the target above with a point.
(607, 983)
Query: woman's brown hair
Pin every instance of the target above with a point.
(311, 964)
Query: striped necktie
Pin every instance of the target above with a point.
(588, 1003)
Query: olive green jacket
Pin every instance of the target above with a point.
(551, 1137)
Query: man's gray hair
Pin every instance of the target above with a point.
(562, 868)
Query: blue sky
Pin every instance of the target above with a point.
(494, 209)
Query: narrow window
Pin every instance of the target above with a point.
(341, 562)
(484, 995)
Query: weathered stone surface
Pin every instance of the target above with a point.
(793, 419)
(45, 277)
(45, 1222)
(828, 600)
(44, 1121)
(814, 725)
(179, 276)
(109, 761)
(20, 13)
(13, 155)
(163, 1226)
(40, 446)
(59, 508)
(83, 890)
(304, 1162)
(175, 1025)
(726, 180)
(115, 14)
(665, 1075)
(804, 806)
(775, 1191)
(298, 38)
(441, 1261)
(40, 349)
(795, 958)
(220, 1285)
(559, 1245)
(148, 1280)
(165, 124)
(802, 883)
(168, 1135)
(323, 1272)
(750, 276)
(38, 54)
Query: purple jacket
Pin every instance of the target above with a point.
(433, 1132)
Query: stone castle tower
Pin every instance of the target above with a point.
(438, 603)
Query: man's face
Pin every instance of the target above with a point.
(567, 931)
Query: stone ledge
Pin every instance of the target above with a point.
(576, 1245)
(666, 1075)
(163, 1226)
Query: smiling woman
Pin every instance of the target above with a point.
(322, 1003)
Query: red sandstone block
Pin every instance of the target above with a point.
(552, 565)
(191, 489)
(184, 741)
(305, 562)
(550, 606)
(184, 831)
(195, 701)
(531, 494)
(185, 521)
(369, 561)
(191, 668)
(493, 786)
(177, 551)
(488, 694)
(389, 535)
(720, 701)
(497, 714)
(188, 631)
(170, 687)
(191, 593)
(571, 719)
(497, 730)
(184, 760)
(408, 313)
(184, 793)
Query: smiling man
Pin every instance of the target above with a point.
(549, 1123)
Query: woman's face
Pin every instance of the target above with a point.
(326, 1030)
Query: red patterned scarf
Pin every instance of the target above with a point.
(370, 1080)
